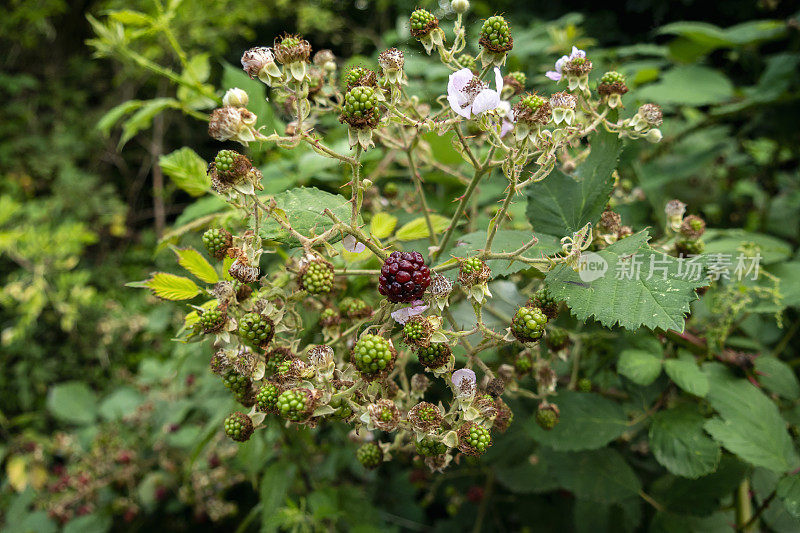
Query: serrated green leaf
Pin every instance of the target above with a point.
(187, 170)
(749, 423)
(506, 241)
(587, 421)
(142, 119)
(172, 287)
(115, 114)
(639, 366)
(561, 205)
(737, 242)
(598, 475)
(680, 445)
(777, 377)
(72, 402)
(304, 208)
(382, 224)
(789, 492)
(418, 228)
(191, 260)
(631, 303)
(687, 375)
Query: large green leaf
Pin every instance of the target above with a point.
(693, 85)
(506, 241)
(699, 496)
(194, 262)
(561, 204)
(187, 170)
(639, 366)
(687, 375)
(738, 242)
(789, 492)
(588, 421)
(634, 300)
(303, 208)
(418, 228)
(72, 402)
(778, 377)
(168, 286)
(679, 443)
(598, 475)
(749, 423)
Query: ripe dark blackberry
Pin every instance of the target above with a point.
(213, 320)
(496, 35)
(217, 241)
(373, 355)
(360, 109)
(404, 277)
(267, 398)
(256, 329)
(544, 301)
(370, 455)
(316, 277)
(473, 439)
(547, 416)
(430, 448)
(422, 22)
(354, 308)
(239, 427)
(295, 404)
(435, 355)
(528, 324)
(240, 386)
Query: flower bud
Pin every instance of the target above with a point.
(654, 135)
(235, 97)
(232, 123)
(460, 6)
(260, 62)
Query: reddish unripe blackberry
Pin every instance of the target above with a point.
(404, 277)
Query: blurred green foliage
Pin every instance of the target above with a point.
(89, 366)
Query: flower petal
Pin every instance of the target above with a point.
(486, 100)
(401, 316)
(459, 80)
(455, 105)
(498, 80)
(577, 52)
(505, 127)
(461, 375)
(553, 75)
(352, 245)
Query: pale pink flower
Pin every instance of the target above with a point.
(401, 316)
(352, 245)
(557, 74)
(468, 95)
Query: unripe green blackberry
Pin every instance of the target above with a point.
(328, 317)
(693, 227)
(416, 331)
(422, 22)
(425, 416)
(472, 271)
(240, 386)
(213, 320)
(225, 160)
(361, 107)
(689, 247)
(473, 439)
(430, 448)
(295, 404)
(544, 301)
(354, 308)
(267, 398)
(533, 109)
(468, 61)
(519, 77)
(557, 339)
(515, 81)
(342, 409)
(370, 455)
(256, 329)
(585, 385)
(528, 324)
(217, 241)
(547, 416)
(239, 427)
(496, 35)
(523, 363)
(373, 355)
(242, 290)
(611, 77)
(291, 48)
(316, 277)
(435, 355)
(359, 76)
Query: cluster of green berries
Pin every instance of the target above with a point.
(290, 41)
(689, 246)
(372, 354)
(360, 108)
(557, 339)
(342, 409)
(317, 277)
(496, 35)
(430, 448)
(213, 320)
(427, 413)
(217, 241)
(468, 61)
(386, 414)
(422, 22)
(293, 404)
(472, 270)
(239, 427)
(415, 331)
(239, 385)
(475, 440)
(533, 101)
(545, 301)
(611, 77)
(547, 417)
(329, 317)
(267, 398)
(435, 355)
(282, 368)
(370, 455)
(354, 307)
(256, 329)
(523, 363)
(225, 160)
(519, 77)
(528, 324)
(359, 76)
